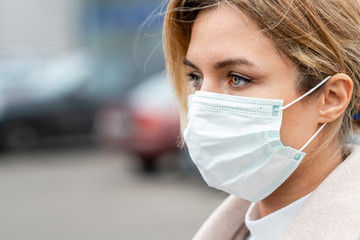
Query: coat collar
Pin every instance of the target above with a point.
(332, 211)
(226, 222)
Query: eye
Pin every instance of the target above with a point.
(237, 80)
(195, 80)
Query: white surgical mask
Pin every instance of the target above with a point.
(235, 143)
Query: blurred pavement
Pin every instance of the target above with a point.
(91, 194)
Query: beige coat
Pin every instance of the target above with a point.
(331, 212)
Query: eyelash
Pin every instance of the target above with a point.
(245, 79)
(192, 78)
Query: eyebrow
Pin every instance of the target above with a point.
(233, 61)
(188, 63)
(224, 63)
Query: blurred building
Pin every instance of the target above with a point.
(125, 31)
(39, 27)
(117, 43)
(113, 29)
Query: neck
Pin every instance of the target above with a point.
(310, 173)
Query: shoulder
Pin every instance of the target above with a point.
(225, 221)
(333, 210)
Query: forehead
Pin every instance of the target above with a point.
(224, 17)
(226, 32)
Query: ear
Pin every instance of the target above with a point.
(335, 98)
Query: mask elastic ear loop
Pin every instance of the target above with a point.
(309, 92)
(312, 138)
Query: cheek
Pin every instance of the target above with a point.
(299, 123)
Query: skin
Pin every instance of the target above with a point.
(228, 54)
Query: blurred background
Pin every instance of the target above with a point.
(89, 126)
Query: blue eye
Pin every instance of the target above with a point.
(236, 80)
(195, 79)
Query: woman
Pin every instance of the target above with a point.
(267, 112)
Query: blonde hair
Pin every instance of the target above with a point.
(321, 37)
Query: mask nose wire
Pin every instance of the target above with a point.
(306, 94)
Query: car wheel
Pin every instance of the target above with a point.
(149, 164)
(19, 137)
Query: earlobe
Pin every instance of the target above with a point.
(335, 98)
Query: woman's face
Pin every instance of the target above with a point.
(229, 54)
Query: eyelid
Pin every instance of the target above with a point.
(194, 73)
(238, 75)
(246, 81)
(191, 75)
(192, 79)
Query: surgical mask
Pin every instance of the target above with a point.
(235, 143)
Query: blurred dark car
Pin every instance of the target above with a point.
(147, 125)
(57, 98)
